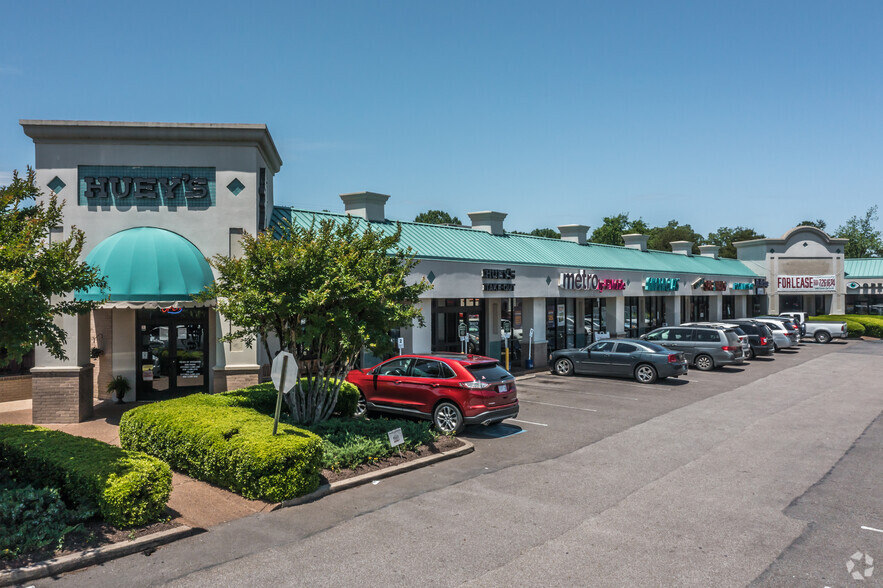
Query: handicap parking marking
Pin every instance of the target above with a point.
(498, 431)
(528, 423)
(558, 405)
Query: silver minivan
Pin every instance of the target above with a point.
(704, 347)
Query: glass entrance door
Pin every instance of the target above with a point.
(449, 316)
(172, 352)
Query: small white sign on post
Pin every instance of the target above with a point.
(401, 344)
(395, 437)
(283, 372)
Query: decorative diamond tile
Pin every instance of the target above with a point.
(236, 186)
(548, 280)
(430, 276)
(56, 185)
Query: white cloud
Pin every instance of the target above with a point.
(5, 178)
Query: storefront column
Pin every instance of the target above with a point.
(579, 313)
(62, 390)
(715, 308)
(673, 310)
(419, 340)
(533, 316)
(493, 347)
(616, 316)
(741, 306)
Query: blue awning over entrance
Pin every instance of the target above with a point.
(147, 263)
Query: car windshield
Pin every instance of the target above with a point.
(654, 347)
(489, 372)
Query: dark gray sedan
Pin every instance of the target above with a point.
(642, 360)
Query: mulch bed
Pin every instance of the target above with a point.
(443, 443)
(95, 534)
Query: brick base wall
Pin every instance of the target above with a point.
(540, 355)
(63, 396)
(234, 379)
(15, 388)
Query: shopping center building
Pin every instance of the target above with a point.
(155, 200)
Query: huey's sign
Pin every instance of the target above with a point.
(806, 283)
(582, 281)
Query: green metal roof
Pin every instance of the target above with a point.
(146, 263)
(864, 268)
(448, 243)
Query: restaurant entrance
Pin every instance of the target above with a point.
(172, 353)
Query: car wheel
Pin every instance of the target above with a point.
(704, 363)
(822, 337)
(775, 348)
(361, 406)
(563, 367)
(447, 418)
(750, 354)
(645, 374)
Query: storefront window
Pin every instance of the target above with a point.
(632, 319)
(511, 319)
(595, 320)
(695, 308)
(859, 304)
(728, 304)
(448, 314)
(560, 327)
(654, 313)
(791, 303)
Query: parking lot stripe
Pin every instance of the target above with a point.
(559, 405)
(528, 423)
(872, 529)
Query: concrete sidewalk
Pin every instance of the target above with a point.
(194, 503)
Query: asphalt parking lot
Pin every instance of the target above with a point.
(760, 474)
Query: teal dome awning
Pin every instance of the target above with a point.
(147, 263)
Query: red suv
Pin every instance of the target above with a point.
(451, 389)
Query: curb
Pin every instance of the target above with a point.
(75, 561)
(327, 489)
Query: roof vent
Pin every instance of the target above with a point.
(709, 251)
(636, 241)
(682, 247)
(488, 221)
(574, 233)
(368, 205)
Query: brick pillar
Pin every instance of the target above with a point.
(61, 394)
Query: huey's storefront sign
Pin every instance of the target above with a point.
(146, 186)
(806, 283)
(498, 274)
(584, 281)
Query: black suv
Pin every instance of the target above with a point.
(759, 337)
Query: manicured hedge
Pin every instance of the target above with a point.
(127, 488)
(209, 438)
(349, 443)
(262, 398)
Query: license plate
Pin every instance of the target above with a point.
(502, 388)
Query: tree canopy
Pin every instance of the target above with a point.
(437, 217)
(661, 237)
(724, 238)
(864, 239)
(36, 275)
(818, 223)
(541, 232)
(321, 293)
(614, 227)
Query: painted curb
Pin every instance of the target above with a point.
(90, 557)
(327, 489)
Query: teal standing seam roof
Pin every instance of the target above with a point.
(871, 267)
(447, 243)
(147, 263)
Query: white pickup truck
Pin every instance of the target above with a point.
(821, 331)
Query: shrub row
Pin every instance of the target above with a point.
(214, 439)
(127, 488)
(262, 398)
(351, 442)
(856, 324)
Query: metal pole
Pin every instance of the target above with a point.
(279, 393)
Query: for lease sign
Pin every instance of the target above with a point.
(806, 283)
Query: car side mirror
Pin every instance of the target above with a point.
(643, 337)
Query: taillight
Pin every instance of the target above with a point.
(475, 385)
(672, 358)
(729, 348)
(763, 340)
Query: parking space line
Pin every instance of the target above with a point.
(528, 423)
(559, 405)
(872, 529)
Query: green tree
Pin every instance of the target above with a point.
(545, 232)
(661, 237)
(36, 276)
(437, 217)
(614, 227)
(864, 240)
(724, 238)
(322, 293)
(818, 223)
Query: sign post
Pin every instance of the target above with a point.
(505, 334)
(401, 344)
(529, 349)
(284, 376)
(464, 337)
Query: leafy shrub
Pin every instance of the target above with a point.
(32, 518)
(349, 443)
(262, 398)
(125, 487)
(233, 447)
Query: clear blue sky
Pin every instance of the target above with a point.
(750, 113)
